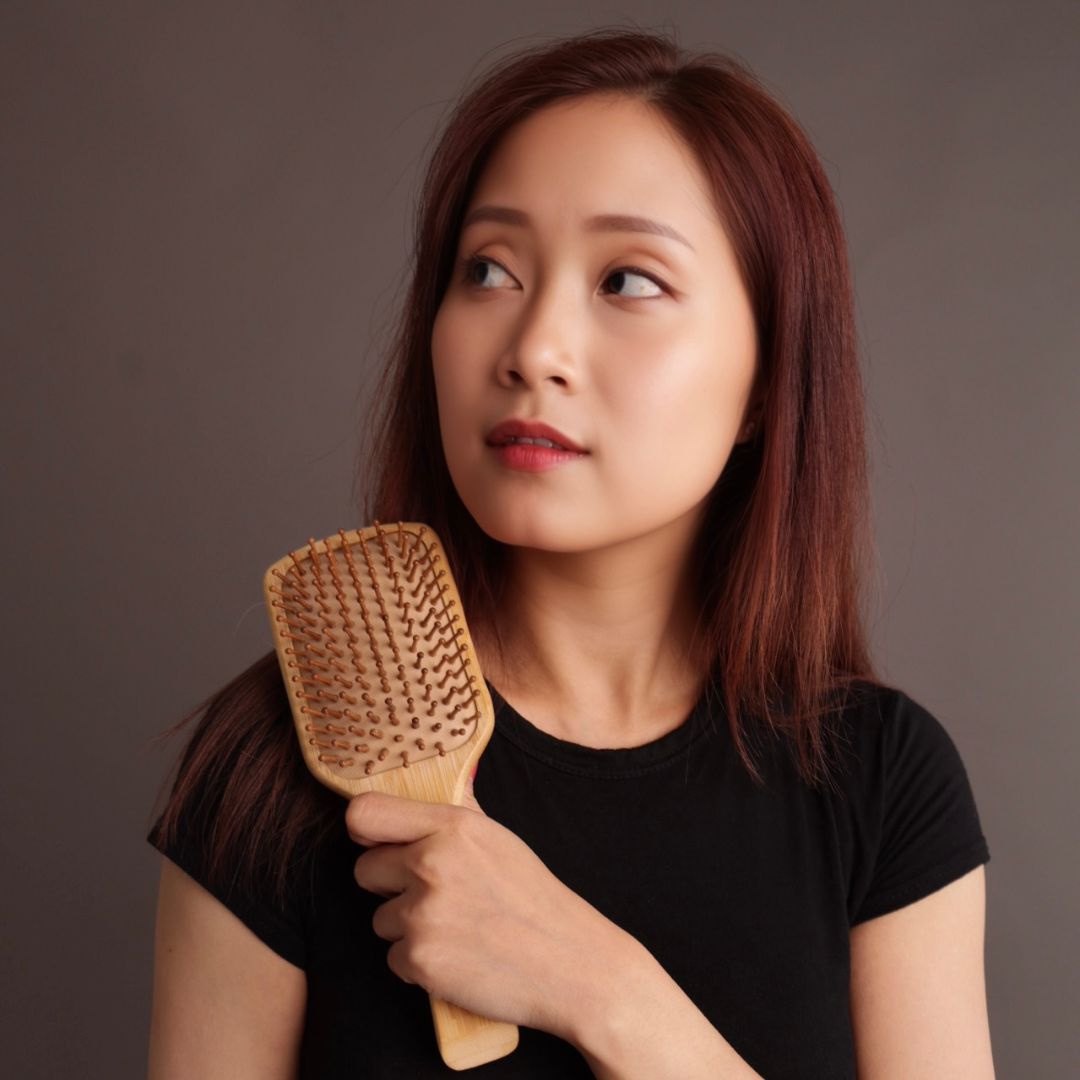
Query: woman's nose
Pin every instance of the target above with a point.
(544, 345)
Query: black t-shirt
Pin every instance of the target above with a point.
(746, 896)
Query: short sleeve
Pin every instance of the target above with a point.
(280, 925)
(920, 826)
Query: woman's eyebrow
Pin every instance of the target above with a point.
(599, 223)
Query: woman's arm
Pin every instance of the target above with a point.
(225, 1004)
(918, 1002)
(638, 1023)
(918, 988)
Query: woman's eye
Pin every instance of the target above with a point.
(636, 294)
(473, 263)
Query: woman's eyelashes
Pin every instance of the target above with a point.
(470, 264)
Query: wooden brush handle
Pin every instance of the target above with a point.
(466, 1040)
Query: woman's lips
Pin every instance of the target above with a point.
(531, 458)
(519, 428)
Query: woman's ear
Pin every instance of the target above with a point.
(747, 432)
(752, 417)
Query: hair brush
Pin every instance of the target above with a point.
(386, 691)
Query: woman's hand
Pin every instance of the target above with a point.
(476, 918)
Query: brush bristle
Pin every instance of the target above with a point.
(376, 658)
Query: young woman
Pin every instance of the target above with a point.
(705, 840)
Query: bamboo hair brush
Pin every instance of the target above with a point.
(386, 691)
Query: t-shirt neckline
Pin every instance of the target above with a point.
(597, 761)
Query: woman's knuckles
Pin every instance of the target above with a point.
(389, 922)
(422, 956)
(398, 962)
(429, 866)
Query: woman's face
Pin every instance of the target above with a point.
(638, 347)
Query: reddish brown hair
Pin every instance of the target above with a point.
(786, 543)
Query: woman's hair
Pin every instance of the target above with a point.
(785, 546)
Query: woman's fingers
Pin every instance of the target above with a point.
(388, 921)
(375, 817)
(382, 870)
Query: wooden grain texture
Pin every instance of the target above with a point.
(386, 691)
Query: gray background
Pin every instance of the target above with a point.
(207, 211)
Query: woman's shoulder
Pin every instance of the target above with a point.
(881, 717)
(244, 814)
(914, 820)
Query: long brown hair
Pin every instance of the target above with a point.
(786, 543)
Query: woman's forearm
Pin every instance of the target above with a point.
(638, 1024)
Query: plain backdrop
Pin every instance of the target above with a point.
(207, 213)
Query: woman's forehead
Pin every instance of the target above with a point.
(598, 164)
(588, 163)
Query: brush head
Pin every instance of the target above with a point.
(382, 675)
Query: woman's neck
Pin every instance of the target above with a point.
(600, 659)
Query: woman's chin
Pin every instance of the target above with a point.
(520, 530)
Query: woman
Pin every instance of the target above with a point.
(705, 840)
